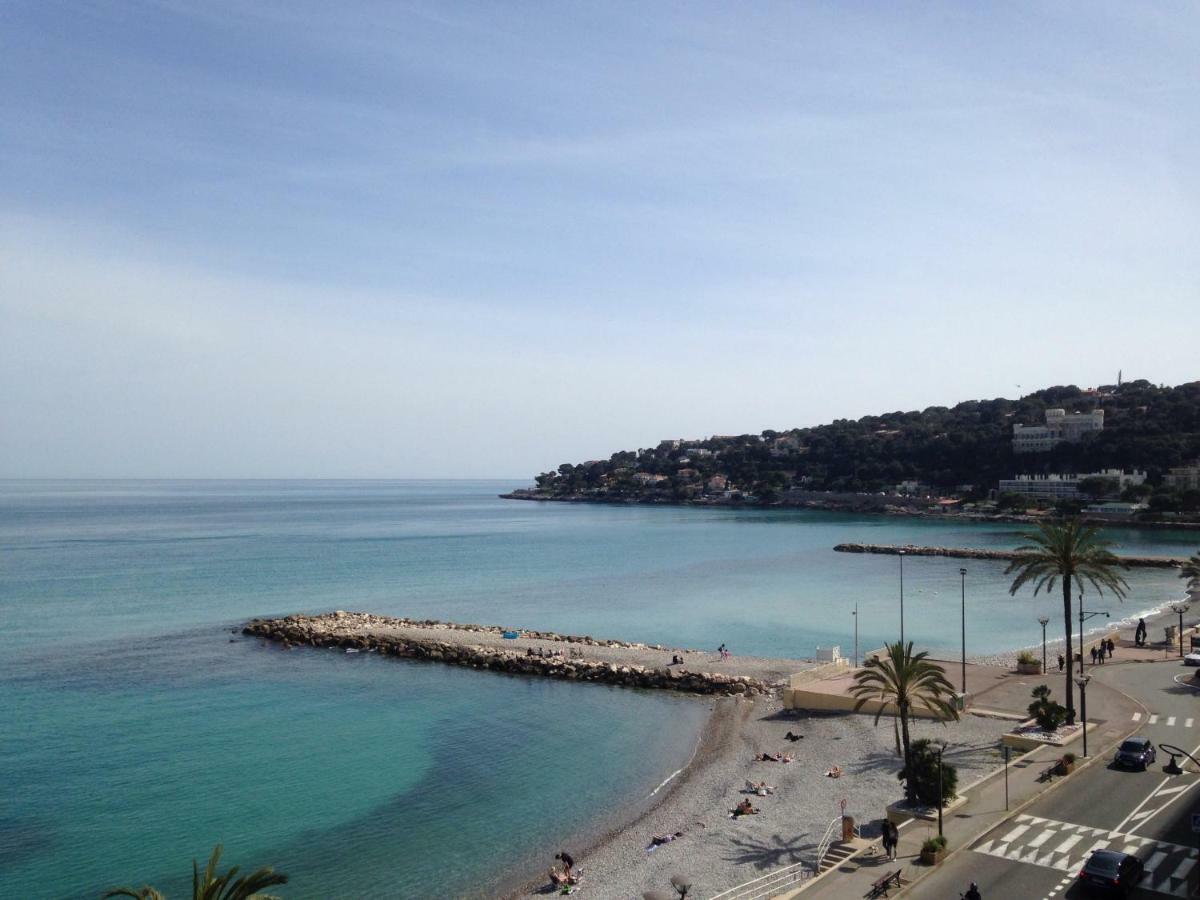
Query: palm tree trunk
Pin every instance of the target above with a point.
(1070, 655)
(910, 784)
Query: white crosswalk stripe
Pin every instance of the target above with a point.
(1170, 721)
(1153, 720)
(1188, 723)
(1137, 717)
(1059, 845)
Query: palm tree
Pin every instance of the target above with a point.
(1191, 571)
(1074, 553)
(207, 885)
(904, 679)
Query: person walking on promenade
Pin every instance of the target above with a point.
(1094, 655)
(891, 837)
(1110, 646)
(1139, 633)
(1062, 662)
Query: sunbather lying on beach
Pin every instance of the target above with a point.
(565, 877)
(774, 757)
(743, 809)
(834, 772)
(793, 737)
(759, 787)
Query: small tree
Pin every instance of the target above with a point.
(1048, 713)
(921, 774)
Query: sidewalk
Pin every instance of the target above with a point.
(1110, 718)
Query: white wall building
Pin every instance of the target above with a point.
(1061, 487)
(1060, 426)
(1182, 478)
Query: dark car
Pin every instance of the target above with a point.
(1110, 872)
(1136, 753)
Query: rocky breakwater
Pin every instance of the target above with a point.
(365, 632)
(1151, 562)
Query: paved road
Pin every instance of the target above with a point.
(1037, 855)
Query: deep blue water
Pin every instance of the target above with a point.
(139, 730)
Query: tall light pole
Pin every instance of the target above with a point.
(963, 574)
(1084, 615)
(1083, 682)
(941, 747)
(1180, 608)
(855, 614)
(1043, 621)
(901, 555)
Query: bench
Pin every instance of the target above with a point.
(884, 883)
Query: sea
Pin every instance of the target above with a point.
(140, 728)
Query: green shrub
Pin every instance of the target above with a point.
(924, 761)
(1048, 713)
(934, 844)
(1027, 658)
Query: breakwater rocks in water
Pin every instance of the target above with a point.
(365, 632)
(1152, 562)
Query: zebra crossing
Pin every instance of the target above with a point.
(1169, 721)
(1065, 847)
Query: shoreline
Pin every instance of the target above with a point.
(868, 506)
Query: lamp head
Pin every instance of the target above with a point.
(962, 571)
(1043, 621)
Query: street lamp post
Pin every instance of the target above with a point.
(963, 574)
(901, 555)
(855, 614)
(1083, 682)
(1043, 621)
(1180, 608)
(940, 748)
(1084, 615)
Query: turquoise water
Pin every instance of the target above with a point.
(140, 731)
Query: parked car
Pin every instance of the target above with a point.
(1135, 753)
(1110, 872)
(1192, 659)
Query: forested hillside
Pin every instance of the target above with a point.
(964, 449)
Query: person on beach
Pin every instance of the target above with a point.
(793, 737)
(743, 809)
(568, 861)
(834, 772)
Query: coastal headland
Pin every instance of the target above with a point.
(534, 653)
(1136, 562)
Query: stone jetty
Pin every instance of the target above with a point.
(1150, 562)
(554, 655)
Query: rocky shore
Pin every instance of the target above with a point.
(534, 653)
(1149, 562)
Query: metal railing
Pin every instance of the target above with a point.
(767, 885)
(827, 841)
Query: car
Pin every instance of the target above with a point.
(1192, 659)
(1135, 753)
(1110, 872)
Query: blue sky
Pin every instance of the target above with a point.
(407, 239)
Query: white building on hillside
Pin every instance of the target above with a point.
(1060, 426)
(1062, 487)
(1182, 478)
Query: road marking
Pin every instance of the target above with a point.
(1154, 861)
(1177, 795)
(1170, 721)
(1068, 843)
(1042, 838)
(1143, 803)
(1153, 719)
(1173, 790)
(1183, 869)
(1188, 723)
(1137, 817)
(1137, 717)
(1014, 834)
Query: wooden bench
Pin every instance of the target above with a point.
(885, 883)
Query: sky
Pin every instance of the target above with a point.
(391, 239)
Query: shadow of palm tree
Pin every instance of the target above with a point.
(771, 853)
(875, 761)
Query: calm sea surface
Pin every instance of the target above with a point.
(140, 730)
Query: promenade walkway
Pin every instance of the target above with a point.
(1111, 716)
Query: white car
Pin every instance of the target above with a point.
(1192, 659)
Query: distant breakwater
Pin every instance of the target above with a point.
(1146, 562)
(366, 632)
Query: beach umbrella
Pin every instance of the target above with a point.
(681, 883)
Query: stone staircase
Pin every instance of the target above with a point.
(839, 852)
